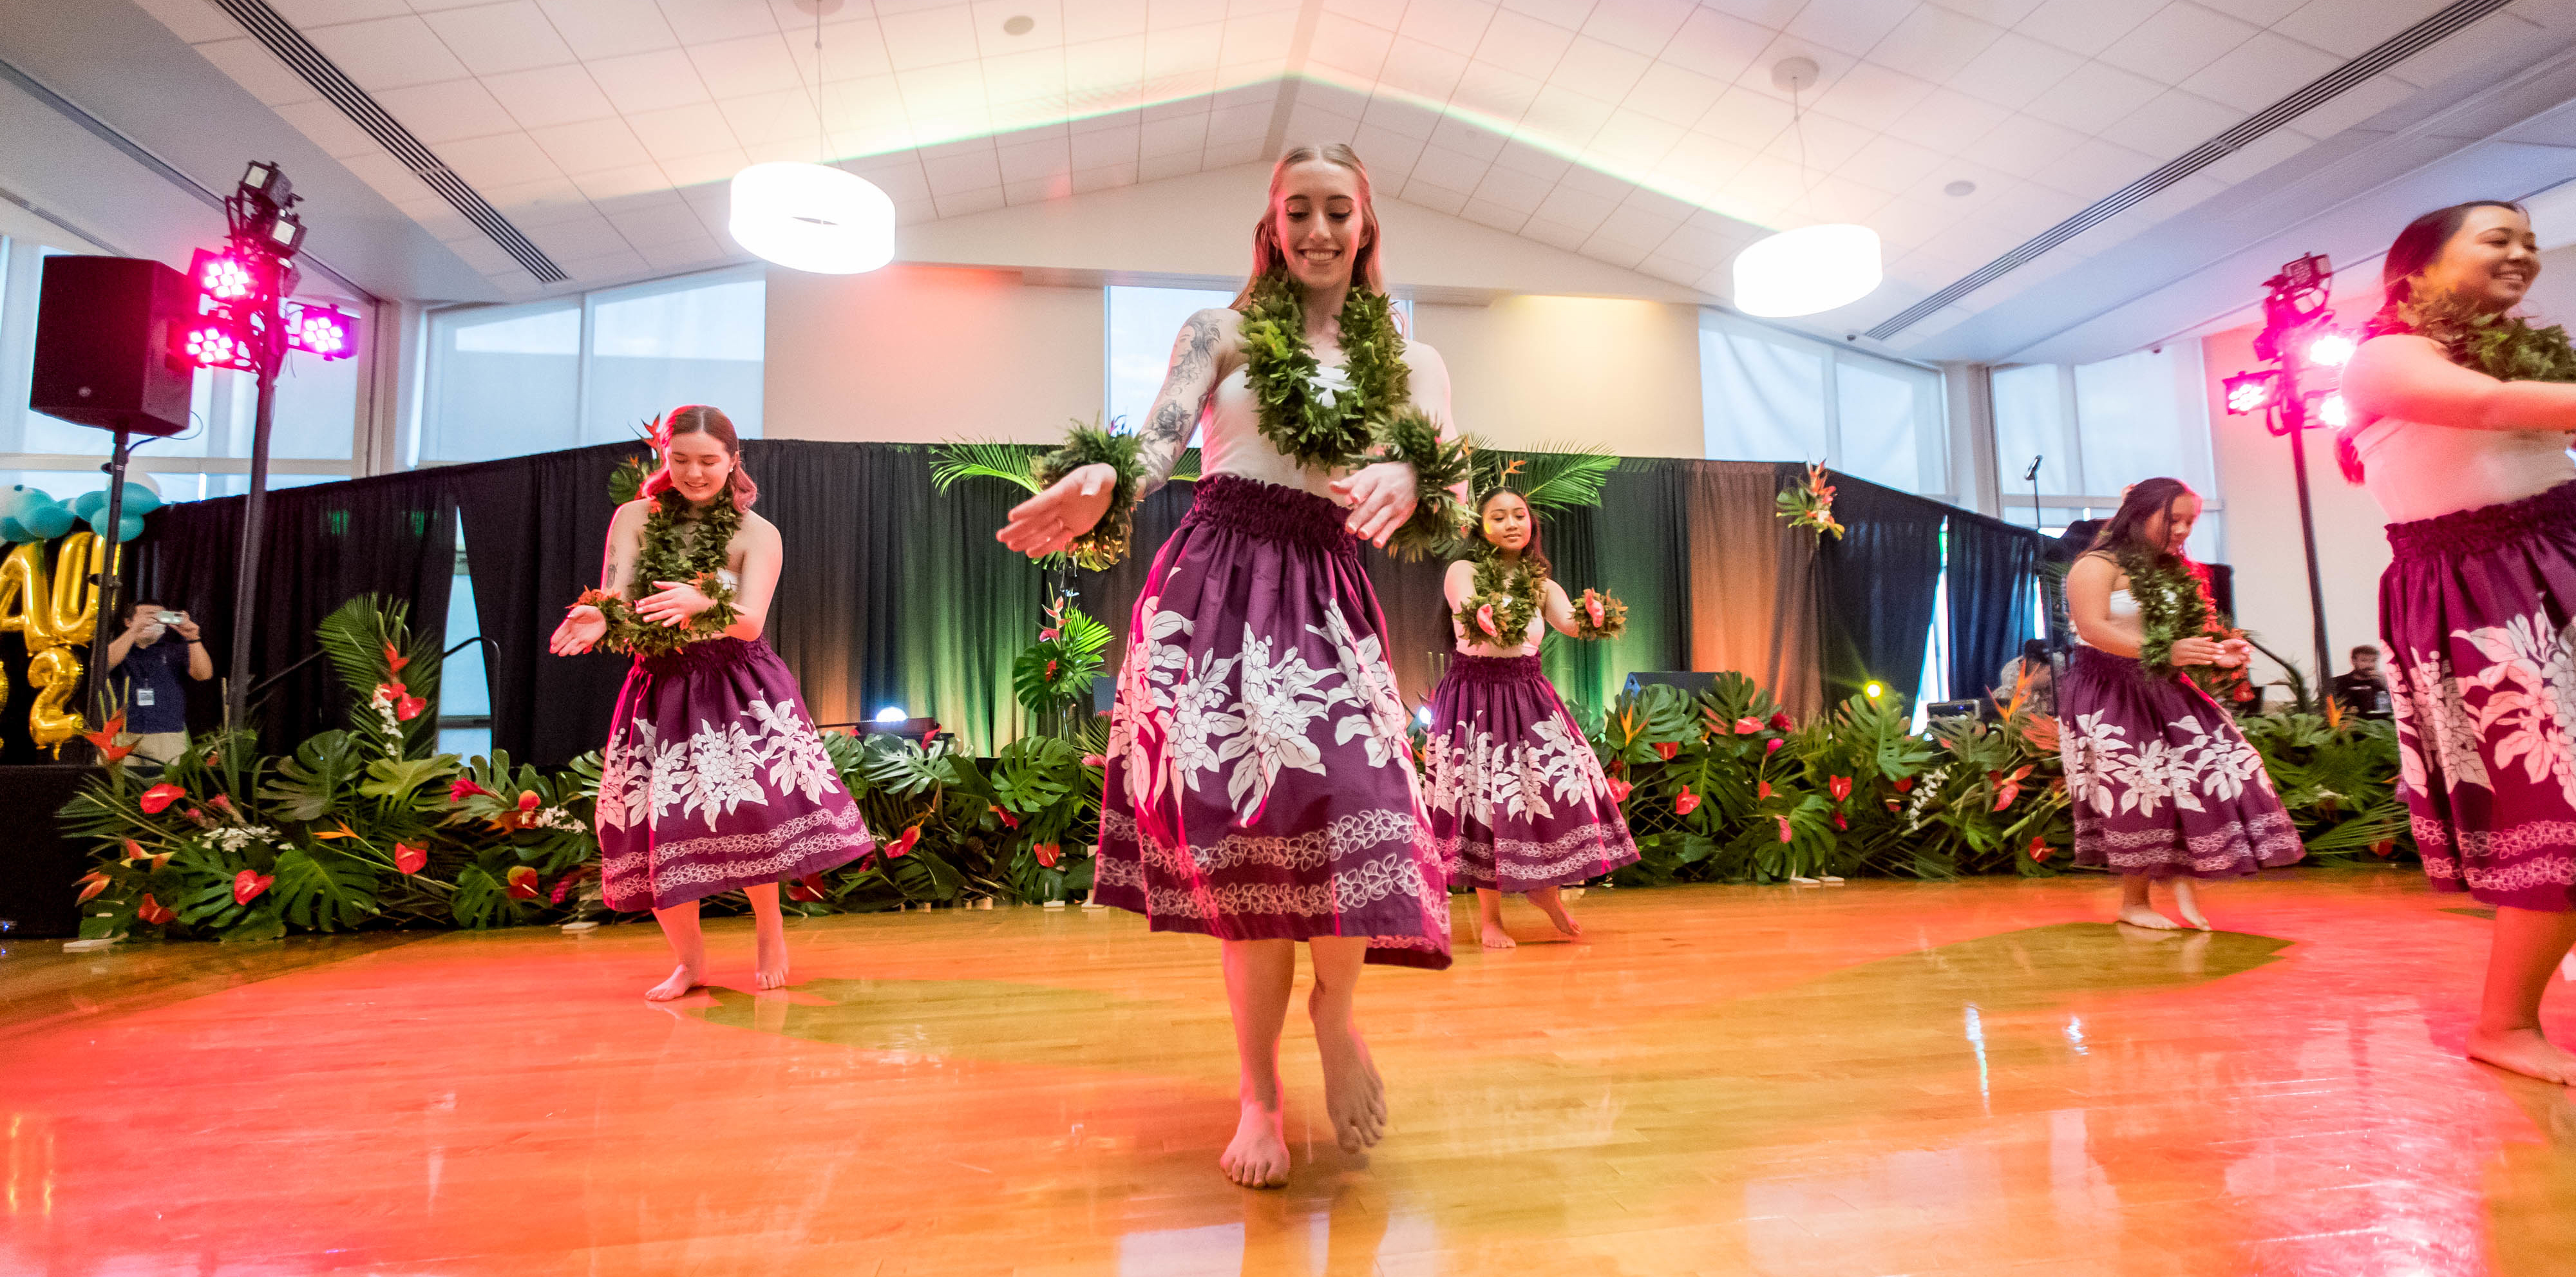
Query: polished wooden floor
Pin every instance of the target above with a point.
(1880, 1078)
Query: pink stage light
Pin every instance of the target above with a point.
(215, 346)
(2331, 349)
(222, 276)
(2333, 412)
(2250, 392)
(321, 330)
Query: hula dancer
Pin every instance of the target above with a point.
(714, 778)
(2163, 783)
(1259, 787)
(2459, 428)
(1518, 801)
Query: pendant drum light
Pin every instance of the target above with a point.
(812, 217)
(1813, 268)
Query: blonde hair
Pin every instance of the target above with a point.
(1268, 257)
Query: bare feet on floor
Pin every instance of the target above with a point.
(2146, 916)
(2524, 1051)
(2187, 903)
(1354, 1096)
(1552, 904)
(1490, 931)
(769, 956)
(1258, 1157)
(683, 978)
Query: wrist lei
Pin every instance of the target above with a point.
(668, 553)
(1106, 542)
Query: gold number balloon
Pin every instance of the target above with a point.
(56, 612)
(74, 614)
(56, 672)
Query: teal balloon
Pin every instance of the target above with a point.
(47, 521)
(89, 505)
(12, 530)
(129, 527)
(18, 498)
(140, 499)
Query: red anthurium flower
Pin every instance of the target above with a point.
(1620, 789)
(1780, 722)
(1048, 853)
(408, 708)
(808, 888)
(1747, 726)
(1485, 621)
(1095, 760)
(930, 737)
(902, 846)
(527, 800)
(1905, 784)
(465, 788)
(1686, 802)
(1051, 667)
(1762, 791)
(158, 798)
(1665, 749)
(92, 883)
(1773, 745)
(154, 912)
(1009, 821)
(1839, 822)
(2040, 851)
(1785, 834)
(523, 882)
(410, 859)
(247, 885)
(1838, 786)
(2383, 846)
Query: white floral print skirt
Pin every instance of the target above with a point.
(2163, 783)
(715, 779)
(1518, 800)
(1259, 783)
(2476, 612)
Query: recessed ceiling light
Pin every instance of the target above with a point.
(1961, 187)
(1019, 25)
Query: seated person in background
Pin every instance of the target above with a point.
(2040, 696)
(2363, 691)
(144, 664)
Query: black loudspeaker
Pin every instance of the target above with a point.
(105, 352)
(1689, 682)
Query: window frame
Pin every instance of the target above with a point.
(1932, 422)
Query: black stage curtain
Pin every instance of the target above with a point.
(1876, 585)
(393, 535)
(534, 528)
(1994, 572)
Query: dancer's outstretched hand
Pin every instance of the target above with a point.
(1048, 522)
(581, 630)
(2197, 651)
(1381, 498)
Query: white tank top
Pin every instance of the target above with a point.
(2122, 605)
(1230, 442)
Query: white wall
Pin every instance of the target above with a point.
(1540, 373)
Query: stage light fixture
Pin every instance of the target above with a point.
(1874, 689)
(268, 182)
(2249, 392)
(327, 331)
(222, 276)
(1808, 270)
(812, 217)
(2331, 349)
(2333, 412)
(214, 345)
(891, 714)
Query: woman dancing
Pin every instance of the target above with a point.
(1259, 788)
(2163, 783)
(2460, 435)
(714, 779)
(1518, 802)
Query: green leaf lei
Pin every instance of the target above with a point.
(1106, 542)
(2173, 605)
(669, 553)
(1514, 590)
(1313, 415)
(2501, 346)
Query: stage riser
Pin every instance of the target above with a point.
(37, 864)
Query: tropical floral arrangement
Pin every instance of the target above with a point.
(1810, 504)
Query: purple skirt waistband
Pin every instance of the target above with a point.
(2484, 528)
(1272, 513)
(705, 654)
(1467, 668)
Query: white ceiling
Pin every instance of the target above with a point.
(1644, 133)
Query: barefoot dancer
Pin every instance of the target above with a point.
(2474, 476)
(1259, 788)
(714, 779)
(2164, 784)
(1517, 799)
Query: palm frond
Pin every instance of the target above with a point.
(1565, 480)
(1185, 467)
(981, 459)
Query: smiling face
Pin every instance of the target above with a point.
(1507, 521)
(2491, 259)
(1319, 218)
(2171, 526)
(699, 466)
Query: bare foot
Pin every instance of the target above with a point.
(2187, 903)
(1552, 904)
(1354, 1097)
(1494, 937)
(2525, 1052)
(2145, 916)
(769, 956)
(1258, 1157)
(683, 978)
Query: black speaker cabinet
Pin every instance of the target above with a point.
(104, 350)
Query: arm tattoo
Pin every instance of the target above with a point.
(1166, 430)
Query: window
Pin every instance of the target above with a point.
(2097, 428)
(1142, 324)
(1769, 395)
(506, 381)
(464, 690)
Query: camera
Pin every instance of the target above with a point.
(173, 618)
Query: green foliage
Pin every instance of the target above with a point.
(982, 459)
(1552, 480)
(391, 674)
(2336, 775)
(1054, 676)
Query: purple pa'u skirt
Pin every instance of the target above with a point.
(715, 779)
(2476, 612)
(2163, 783)
(1259, 782)
(1518, 801)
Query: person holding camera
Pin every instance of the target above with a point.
(144, 664)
